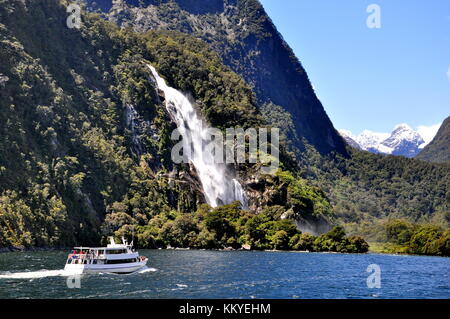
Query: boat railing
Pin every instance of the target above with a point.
(79, 256)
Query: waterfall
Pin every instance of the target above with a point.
(239, 193)
(218, 188)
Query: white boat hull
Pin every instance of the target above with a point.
(105, 268)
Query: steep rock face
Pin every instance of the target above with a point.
(438, 150)
(237, 33)
(84, 130)
(86, 134)
(264, 191)
(246, 39)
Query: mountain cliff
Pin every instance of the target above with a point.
(439, 148)
(363, 188)
(247, 41)
(86, 147)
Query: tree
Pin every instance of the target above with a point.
(399, 231)
(442, 245)
(423, 239)
(115, 221)
(280, 240)
(357, 244)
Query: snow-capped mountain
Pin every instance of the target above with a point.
(349, 138)
(402, 141)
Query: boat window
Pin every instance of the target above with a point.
(116, 251)
(120, 261)
(69, 261)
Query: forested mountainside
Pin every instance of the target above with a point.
(247, 41)
(364, 188)
(438, 150)
(370, 188)
(85, 148)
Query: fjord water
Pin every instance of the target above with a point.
(219, 188)
(231, 274)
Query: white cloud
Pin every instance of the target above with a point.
(428, 132)
(448, 73)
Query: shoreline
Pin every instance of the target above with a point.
(35, 249)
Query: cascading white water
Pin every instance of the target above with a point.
(218, 188)
(240, 194)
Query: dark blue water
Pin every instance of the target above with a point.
(222, 274)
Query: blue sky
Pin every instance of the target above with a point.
(372, 78)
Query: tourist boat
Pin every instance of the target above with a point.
(115, 258)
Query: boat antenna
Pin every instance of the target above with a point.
(132, 232)
(132, 237)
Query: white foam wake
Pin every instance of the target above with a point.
(34, 274)
(146, 269)
(52, 273)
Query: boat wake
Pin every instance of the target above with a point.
(52, 273)
(34, 274)
(146, 269)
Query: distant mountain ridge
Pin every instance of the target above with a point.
(403, 141)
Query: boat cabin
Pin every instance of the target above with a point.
(112, 254)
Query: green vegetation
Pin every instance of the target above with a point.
(303, 199)
(438, 150)
(67, 155)
(69, 165)
(223, 97)
(229, 227)
(71, 171)
(246, 40)
(401, 236)
(362, 187)
(367, 188)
